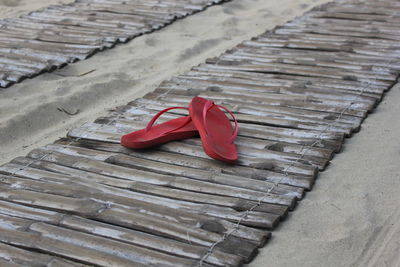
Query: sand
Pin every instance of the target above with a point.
(351, 218)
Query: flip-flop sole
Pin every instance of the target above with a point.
(159, 134)
(216, 139)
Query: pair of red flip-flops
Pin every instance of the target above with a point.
(205, 119)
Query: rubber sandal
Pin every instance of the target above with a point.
(171, 130)
(215, 129)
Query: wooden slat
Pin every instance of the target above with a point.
(22, 257)
(122, 234)
(82, 246)
(131, 160)
(215, 168)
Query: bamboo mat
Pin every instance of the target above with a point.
(50, 38)
(297, 92)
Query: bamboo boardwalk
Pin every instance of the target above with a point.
(50, 38)
(297, 92)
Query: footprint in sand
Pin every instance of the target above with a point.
(10, 3)
(198, 48)
(232, 8)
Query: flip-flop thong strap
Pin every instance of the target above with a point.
(153, 120)
(208, 106)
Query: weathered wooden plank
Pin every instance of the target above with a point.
(188, 201)
(76, 19)
(266, 219)
(339, 40)
(162, 244)
(135, 198)
(6, 263)
(275, 95)
(48, 36)
(3, 79)
(76, 50)
(150, 9)
(240, 109)
(251, 235)
(301, 167)
(270, 100)
(21, 70)
(296, 66)
(127, 217)
(261, 132)
(159, 167)
(255, 236)
(345, 31)
(56, 60)
(357, 47)
(22, 257)
(41, 24)
(268, 159)
(342, 59)
(165, 245)
(268, 162)
(248, 58)
(9, 77)
(160, 179)
(177, 82)
(88, 10)
(275, 155)
(353, 25)
(371, 17)
(118, 128)
(233, 203)
(329, 139)
(123, 234)
(20, 61)
(142, 107)
(285, 69)
(59, 240)
(270, 86)
(51, 29)
(287, 80)
(203, 164)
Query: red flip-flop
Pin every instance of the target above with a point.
(215, 129)
(171, 130)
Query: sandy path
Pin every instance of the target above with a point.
(352, 216)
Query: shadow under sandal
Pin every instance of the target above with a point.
(215, 129)
(176, 129)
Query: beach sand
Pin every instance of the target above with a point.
(351, 218)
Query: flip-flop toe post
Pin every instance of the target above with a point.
(152, 135)
(215, 129)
